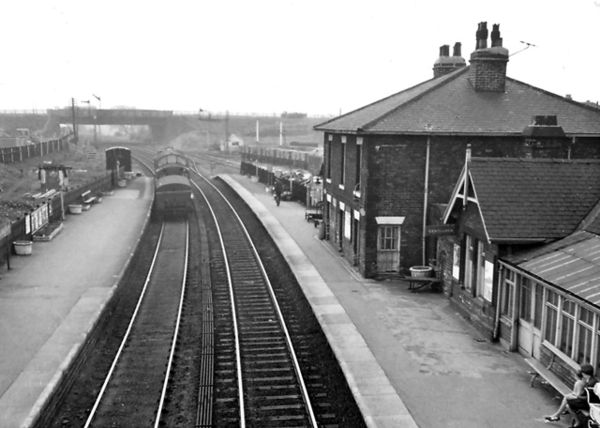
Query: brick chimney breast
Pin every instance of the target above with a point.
(445, 63)
(488, 65)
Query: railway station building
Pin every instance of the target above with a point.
(390, 167)
(523, 262)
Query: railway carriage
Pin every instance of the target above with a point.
(171, 162)
(172, 188)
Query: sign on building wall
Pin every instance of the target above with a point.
(489, 281)
(440, 229)
(347, 225)
(456, 262)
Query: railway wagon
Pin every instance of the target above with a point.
(118, 157)
(172, 196)
(172, 188)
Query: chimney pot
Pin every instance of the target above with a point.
(496, 39)
(457, 49)
(481, 36)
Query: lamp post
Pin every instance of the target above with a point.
(88, 102)
(98, 132)
(75, 133)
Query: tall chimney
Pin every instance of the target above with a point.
(446, 64)
(488, 65)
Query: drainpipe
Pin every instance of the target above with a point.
(425, 200)
(496, 332)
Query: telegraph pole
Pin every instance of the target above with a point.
(226, 127)
(74, 120)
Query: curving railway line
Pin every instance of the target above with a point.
(134, 390)
(258, 369)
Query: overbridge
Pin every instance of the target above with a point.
(156, 120)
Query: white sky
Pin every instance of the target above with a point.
(270, 56)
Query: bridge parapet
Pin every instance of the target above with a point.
(107, 114)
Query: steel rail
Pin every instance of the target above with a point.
(289, 343)
(126, 336)
(176, 332)
(238, 358)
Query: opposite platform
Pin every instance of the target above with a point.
(50, 301)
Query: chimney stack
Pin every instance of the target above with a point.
(488, 65)
(445, 63)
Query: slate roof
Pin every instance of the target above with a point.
(451, 106)
(534, 199)
(572, 264)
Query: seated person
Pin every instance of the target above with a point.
(578, 390)
(577, 404)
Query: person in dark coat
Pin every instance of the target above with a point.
(577, 404)
(278, 189)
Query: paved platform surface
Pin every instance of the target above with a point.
(50, 300)
(439, 371)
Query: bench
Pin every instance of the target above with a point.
(87, 199)
(415, 284)
(550, 378)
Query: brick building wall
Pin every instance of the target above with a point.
(476, 309)
(393, 177)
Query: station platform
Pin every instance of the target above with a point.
(50, 300)
(410, 359)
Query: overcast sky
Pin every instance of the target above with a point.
(270, 56)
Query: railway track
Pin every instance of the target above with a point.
(281, 373)
(257, 375)
(134, 390)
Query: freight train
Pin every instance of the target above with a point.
(173, 196)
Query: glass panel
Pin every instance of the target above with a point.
(507, 299)
(584, 345)
(568, 307)
(537, 316)
(566, 334)
(388, 237)
(525, 300)
(586, 316)
(550, 332)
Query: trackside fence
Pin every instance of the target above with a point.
(15, 154)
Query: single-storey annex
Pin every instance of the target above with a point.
(523, 263)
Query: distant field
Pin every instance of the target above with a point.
(208, 133)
